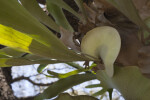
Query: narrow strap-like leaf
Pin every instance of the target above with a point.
(66, 74)
(33, 7)
(41, 67)
(58, 15)
(9, 52)
(99, 92)
(4, 56)
(77, 66)
(110, 93)
(7, 62)
(66, 96)
(15, 39)
(93, 86)
(62, 4)
(17, 17)
(80, 5)
(64, 84)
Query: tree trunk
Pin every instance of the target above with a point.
(6, 92)
(6, 73)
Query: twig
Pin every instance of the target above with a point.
(28, 78)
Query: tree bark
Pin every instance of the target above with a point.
(6, 92)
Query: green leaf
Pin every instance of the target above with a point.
(17, 17)
(100, 92)
(77, 66)
(62, 4)
(66, 96)
(14, 39)
(110, 93)
(22, 42)
(33, 7)
(146, 33)
(64, 84)
(103, 42)
(127, 7)
(41, 67)
(4, 56)
(58, 15)
(9, 52)
(67, 74)
(93, 86)
(7, 62)
(59, 75)
(128, 81)
(33, 57)
(24, 22)
(80, 5)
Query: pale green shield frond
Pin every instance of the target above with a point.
(102, 42)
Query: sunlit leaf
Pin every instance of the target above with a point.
(74, 72)
(17, 40)
(66, 96)
(58, 15)
(33, 7)
(17, 17)
(127, 7)
(59, 75)
(41, 67)
(64, 84)
(128, 81)
(14, 39)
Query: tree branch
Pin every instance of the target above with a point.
(28, 78)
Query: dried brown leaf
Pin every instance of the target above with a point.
(144, 59)
(105, 14)
(143, 7)
(67, 39)
(129, 49)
